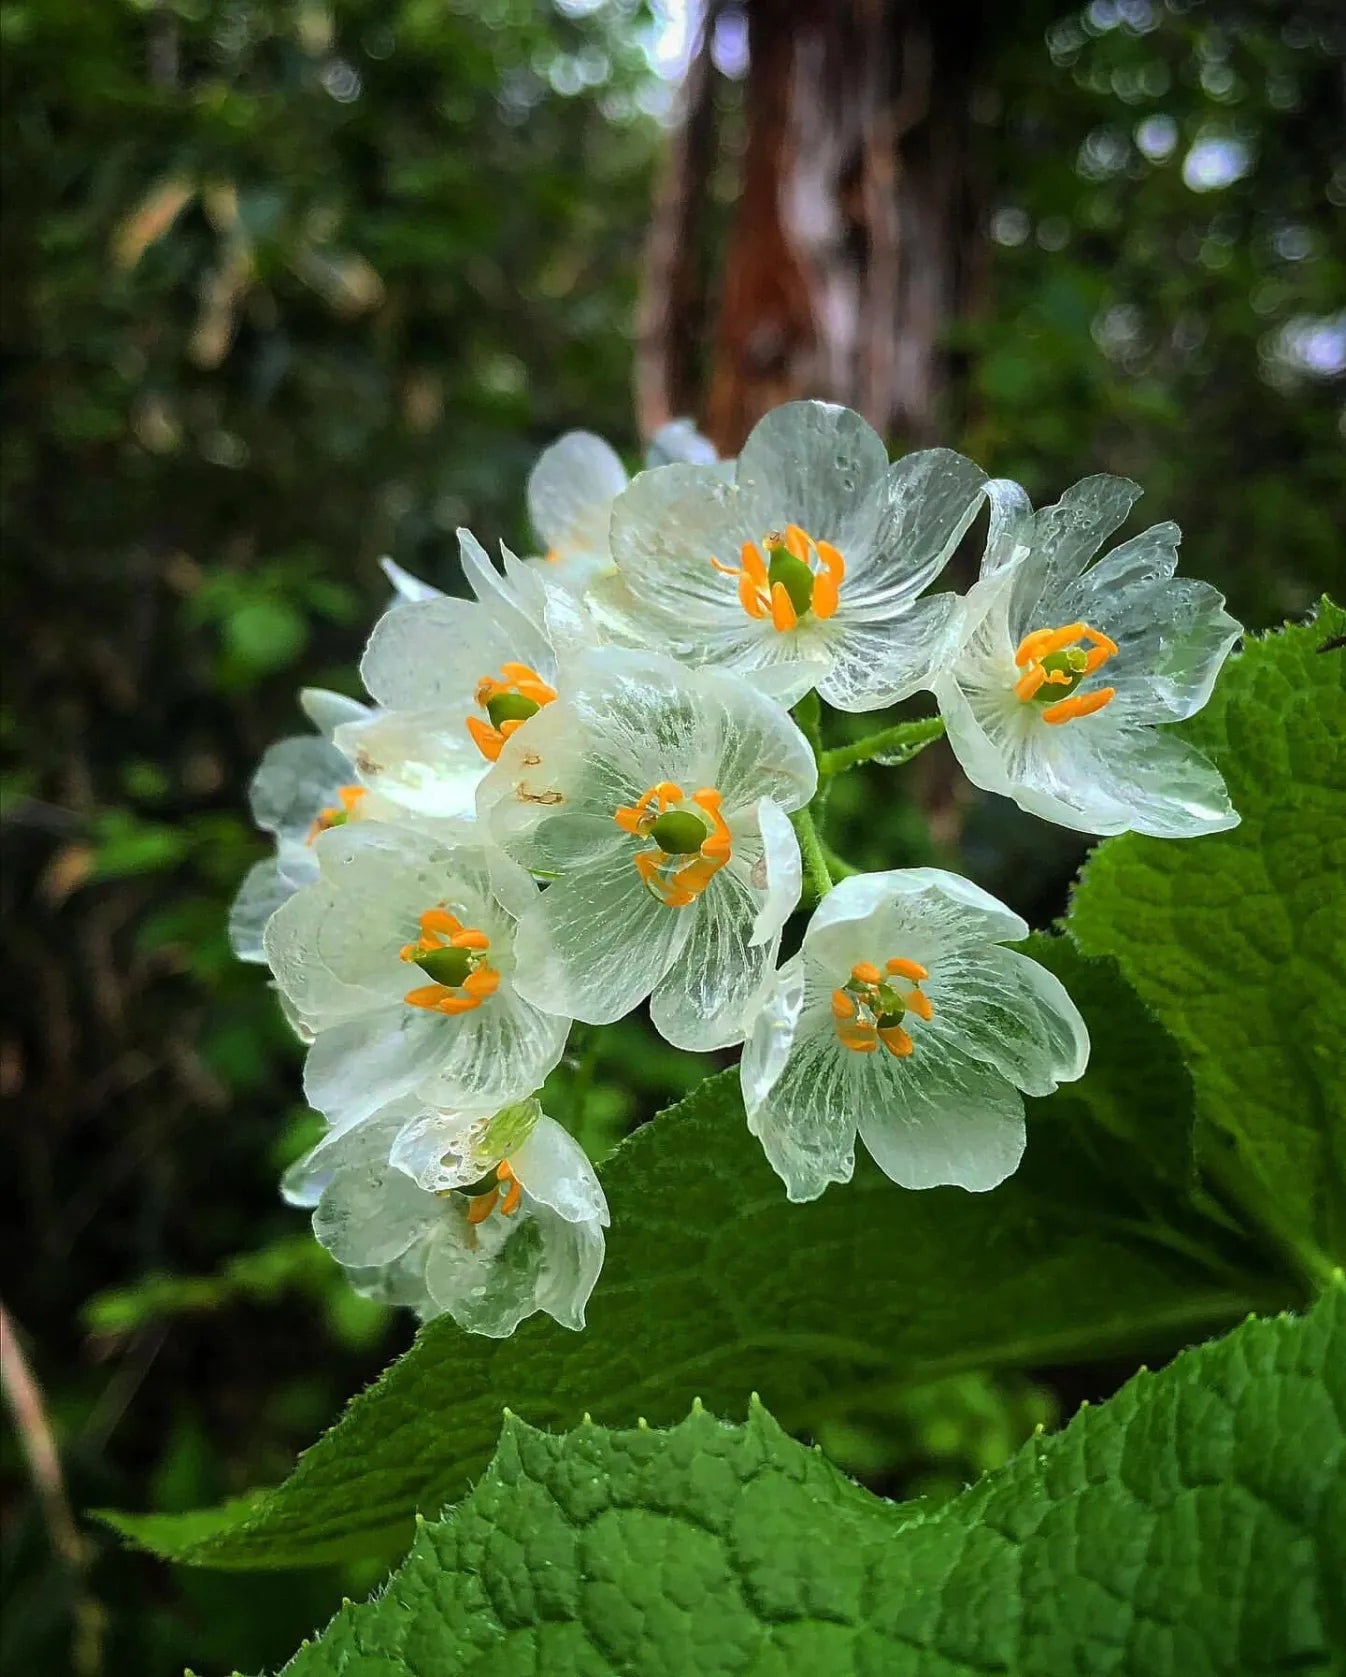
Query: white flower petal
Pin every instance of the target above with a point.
(812, 464)
(796, 1092)
(294, 780)
(937, 1119)
(356, 1067)
(701, 1002)
(597, 943)
(369, 1215)
(491, 1277)
(1065, 537)
(910, 913)
(570, 493)
(450, 1147)
(498, 1053)
(327, 710)
(1004, 1009)
(554, 1170)
(881, 663)
(406, 586)
(667, 525)
(1010, 533)
(432, 653)
(926, 502)
(680, 440)
(423, 760)
(263, 890)
(783, 871)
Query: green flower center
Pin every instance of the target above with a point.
(794, 576)
(446, 966)
(510, 707)
(679, 832)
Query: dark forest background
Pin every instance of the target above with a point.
(290, 285)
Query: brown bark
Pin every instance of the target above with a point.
(856, 223)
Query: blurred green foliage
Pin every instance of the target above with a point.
(290, 285)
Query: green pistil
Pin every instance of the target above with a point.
(446, 966)
(1069, 662)
(679, 832)
(794, 575)
(510, 707)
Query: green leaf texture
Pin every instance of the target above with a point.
(1194, 1525)
(1237, 942)
(716, 1286)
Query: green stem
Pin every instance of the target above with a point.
(586, 1064)
(897, 744)
(813, 853)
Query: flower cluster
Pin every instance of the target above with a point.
(578, 788)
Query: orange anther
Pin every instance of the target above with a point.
(1028, 683)
(919, 1004)
(750, 597)
(1101, 642)
(1079, 704)
(754, 565)
(470, 940)
(908, 969)
(480, 1208)
(861, 1039)
(834, 566)
(510, 1203)
(427, 996)
(865, 972)
(896, 1040)
(1043, 642)
(488, 740)
(843, 1005)
(783, 614)
(440, 920)
(719, 845)
(797, 543)
(480, 983)
(826, 596)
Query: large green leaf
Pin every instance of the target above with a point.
(1237, 942)
(1195, 1524)
(716, 1286)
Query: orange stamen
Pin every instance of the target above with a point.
(861, 1039)
(487, 739)
(908, 969)
(783, 614)
(1079, 704)
(865, 972)
(479, 1209)
(896, 1041)
(919, 1004)
(843, 1005)
(1029, 682)
(510, 1203)
(679, 880)
(760, 598)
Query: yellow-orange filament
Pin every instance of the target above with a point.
(868, 1010)
(519, 681)
(337, 814)
(677, 880)
(1054, 666)
(442, 931)
(816, 568)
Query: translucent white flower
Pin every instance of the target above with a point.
(654, 798)
(454, 677)
(803, 569)
(399, 959)
(903, 1018)
(1059, 670)
(573, 485)
(302, 786)
(502, 1217)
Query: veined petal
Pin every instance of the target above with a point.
(424, 760)
(370, 1215)
(295, 779)
(570, 493)
(498, 1053)
(450, 1147)
(925, 503)
(356, 1067)
(263, 890)
(812, 464)
(432, 653)
(1009, 535)
(597, 943)
(879, 664)
(802, 1116)
(914, 913)
(936, 1119)
(554, 1170)
(1065, 537)
(701, 1002)
(1004, 1009)
(667, 525)
(782, 869)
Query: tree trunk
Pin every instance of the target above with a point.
(855, 235)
